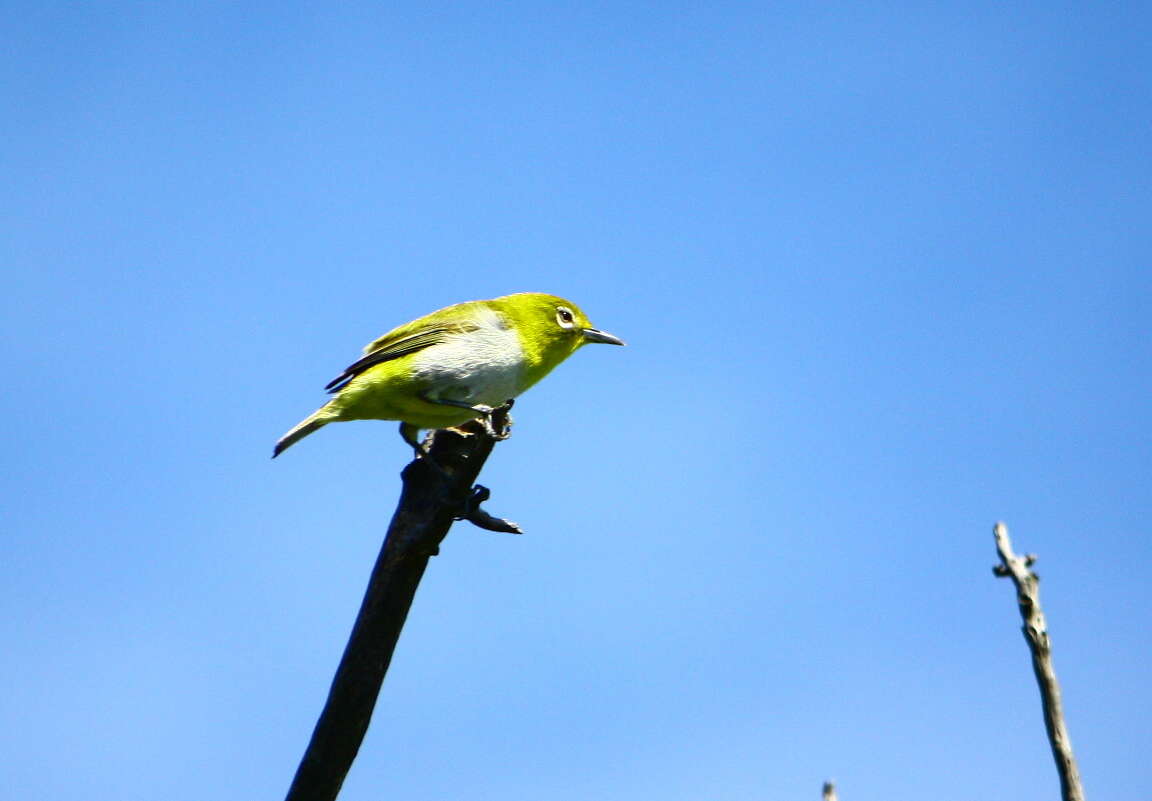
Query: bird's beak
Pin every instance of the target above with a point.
(594, 335)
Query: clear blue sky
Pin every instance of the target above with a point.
(884, 273)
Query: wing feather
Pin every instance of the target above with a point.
(402, 341)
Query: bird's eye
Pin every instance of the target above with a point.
(564, 317)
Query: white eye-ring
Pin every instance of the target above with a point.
(564, 317)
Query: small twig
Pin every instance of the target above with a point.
(478, 517)
(1018, 568)
(432, 498)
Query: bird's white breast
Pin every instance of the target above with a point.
(482, 366)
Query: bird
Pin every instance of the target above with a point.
(454, 365)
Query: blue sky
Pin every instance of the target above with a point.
(883, 271)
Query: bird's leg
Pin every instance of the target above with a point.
(483, 412)
(505, 421)
(410, 434)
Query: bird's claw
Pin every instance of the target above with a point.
(487, 418)
(490, 429)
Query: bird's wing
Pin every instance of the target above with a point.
(401, 341)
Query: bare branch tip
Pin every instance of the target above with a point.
(488, 522)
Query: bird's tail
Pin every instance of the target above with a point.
(299, 431)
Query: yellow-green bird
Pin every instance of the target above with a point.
(455, 364)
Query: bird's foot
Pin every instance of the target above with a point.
(422, 450)
(497, 422)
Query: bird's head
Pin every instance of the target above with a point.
(550, 328)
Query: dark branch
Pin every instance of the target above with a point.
(431, 500)
(1018, 568)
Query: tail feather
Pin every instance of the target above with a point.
(298, 432)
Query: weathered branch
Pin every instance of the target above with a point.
(429, 503)
(1018, 568)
